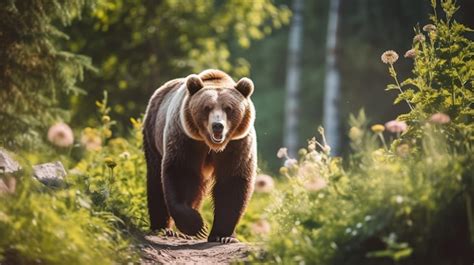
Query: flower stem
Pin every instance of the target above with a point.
(383, 141)
(394, 75)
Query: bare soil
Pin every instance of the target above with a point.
(170, 250)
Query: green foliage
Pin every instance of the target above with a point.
(139, 45)
(45, 226)
(35, 72)
(113, 175)
(406, 203)
(442, 75)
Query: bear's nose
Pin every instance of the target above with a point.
(217, 127)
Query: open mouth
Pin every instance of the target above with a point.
(217, 137)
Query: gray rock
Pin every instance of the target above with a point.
(8, 167)
(7, 164)
(50, 174)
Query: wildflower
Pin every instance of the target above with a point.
(290, 162)
(403, 150)
(367, 218)
(410, 53)
(110, 162)
(355, 133)
(440, 118)
(107, 133)
(91, 139)
(60, 135)
(264, 183)
(429, 27)
(283, 170)
(282, 152)
(378, 128)
(302, 152)
(125, 155)
(316, 184)
(389, 57)
(316, 156)
(105, 119)
(396, 126)
(261, 227)
(419, 38)
(398, 199)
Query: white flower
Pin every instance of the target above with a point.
(282, 152)
(125, 155)
(61, 135)
(290, 162)
(399, 199)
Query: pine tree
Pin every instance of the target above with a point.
(35, 73)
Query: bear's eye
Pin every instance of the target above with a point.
(227, 109)
(207, 108)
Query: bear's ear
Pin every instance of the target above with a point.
(194, 83)
(245, 87)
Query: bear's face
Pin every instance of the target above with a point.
(218, 114)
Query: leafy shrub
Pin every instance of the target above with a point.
(39, 225)
(407, 202)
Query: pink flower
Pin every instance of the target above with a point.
(315, 184)
(60, 135)
(264, 183)
(261, 227)
(396, 126)
(440, 118)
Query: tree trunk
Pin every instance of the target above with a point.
(295, 45)
(332, 81)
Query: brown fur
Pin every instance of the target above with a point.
(182, 160)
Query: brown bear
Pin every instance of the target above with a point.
(199, 134)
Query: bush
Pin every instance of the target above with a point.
(408, 201)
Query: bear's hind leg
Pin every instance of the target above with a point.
(159, 215)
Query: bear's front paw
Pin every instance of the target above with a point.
(224, 240)
(170, 233)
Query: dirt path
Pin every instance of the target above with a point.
(181, 251)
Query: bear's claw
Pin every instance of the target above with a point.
(228, 240)
(170, 233)
(202, 234)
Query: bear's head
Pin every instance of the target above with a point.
(217, 110)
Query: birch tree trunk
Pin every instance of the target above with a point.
(293, 75)
(332, 81)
